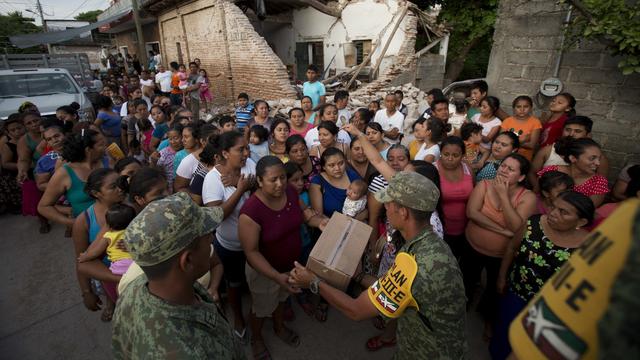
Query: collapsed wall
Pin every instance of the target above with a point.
(221, 36)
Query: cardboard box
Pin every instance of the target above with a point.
(337, 253)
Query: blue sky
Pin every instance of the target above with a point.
(54, 9)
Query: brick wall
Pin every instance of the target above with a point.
(526, 43)
(200, 28)
(129, 39)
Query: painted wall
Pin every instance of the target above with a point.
(361, 20)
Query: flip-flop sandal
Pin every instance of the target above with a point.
(240, 334)
(289, 337)
(376, 343)
(321, 312)
(264, 354)
(107, 315)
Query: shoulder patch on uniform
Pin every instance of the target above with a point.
(391, 294)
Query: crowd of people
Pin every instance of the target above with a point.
(151, 185)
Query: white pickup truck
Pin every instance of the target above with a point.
(47, 88)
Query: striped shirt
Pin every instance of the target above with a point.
(243, 115)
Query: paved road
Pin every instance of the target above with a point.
(43, 316)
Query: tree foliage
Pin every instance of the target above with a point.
(90, 16)
(472, 24)
(616, 23)
(15, 24)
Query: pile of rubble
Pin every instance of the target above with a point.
(414, 99)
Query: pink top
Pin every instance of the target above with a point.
(595, 185)
(483, 240)
(292, 131)
(454, 197)
(280, 245)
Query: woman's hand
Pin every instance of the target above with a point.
(502, 187)
(245, 182)
(300, 276)
(501, 285)
(91, 301)
(227, 180)
(283, 280)
(352, 129)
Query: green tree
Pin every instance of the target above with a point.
(615, 23)
(90, 16)
(15, 24)
(471, 25)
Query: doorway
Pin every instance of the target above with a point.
(309, 53)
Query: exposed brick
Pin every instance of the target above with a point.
(539, 58)
(593, 108)
(603, 93)
(581, 58)
(597, 76)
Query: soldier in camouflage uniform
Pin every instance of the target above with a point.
(167, 314)
(423, 288)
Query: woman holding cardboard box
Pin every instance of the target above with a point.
(275, 206)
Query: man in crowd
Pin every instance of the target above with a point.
(163, 79)
(391, 120)
(167, 313)
(423, 288)
(193, 90)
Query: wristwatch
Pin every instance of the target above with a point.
(314, 285)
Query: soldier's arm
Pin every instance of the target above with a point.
(356, 309)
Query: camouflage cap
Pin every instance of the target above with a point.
(411, 190)
(167, 226)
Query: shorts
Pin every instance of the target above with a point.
(120, 267)
(233, 263)
(266, 294)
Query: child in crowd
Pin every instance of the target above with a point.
(117, 103)
(561, 107)
(258, 144)
(227, 124)
(489, 106)
(459, 117)
(183, 77)
(135, 150)
(205, 90)
(341, 99)
(523, 124)
(356, 199)
(314, 88)
(146, 133)
(552, 183)
(401, 107)
(374, 106)
(118, 218)
(146, 84)
(244, 111)
(479, 90)
(475, 155)
(168, 154)
(295, 178)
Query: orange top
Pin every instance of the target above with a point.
(522, 129)
(483, 240)
(175, 81)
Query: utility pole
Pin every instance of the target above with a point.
(142, 52)
(44, 24)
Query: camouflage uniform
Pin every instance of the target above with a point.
(148, 327)
(435, 329)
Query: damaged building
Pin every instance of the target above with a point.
(264, 47)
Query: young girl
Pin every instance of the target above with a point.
(205, 90)
(118, 217)
(551, 184)
(258, 144)
(487, 118)
(146, 134)
(523, 124)
(434, 132)
(280, 129)
(561, 107)
(135, 151)
(459, 117)
(298, 125)
(168, 154)
(183, 83)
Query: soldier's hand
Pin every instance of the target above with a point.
(300, 276)
(283, 280)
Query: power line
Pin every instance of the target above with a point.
(78, 8)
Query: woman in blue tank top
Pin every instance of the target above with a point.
(102, 186)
